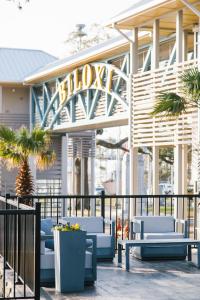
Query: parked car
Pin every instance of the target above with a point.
(166, 188)
(99, 190)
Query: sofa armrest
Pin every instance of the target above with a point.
(140, 223)
(93, 249)
(185, 226)
(112, 224)
(46, 237)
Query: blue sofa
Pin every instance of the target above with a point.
(95, 226)
(47, 269)
(158, 227)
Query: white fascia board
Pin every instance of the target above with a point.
(69, 63)
(75, 60)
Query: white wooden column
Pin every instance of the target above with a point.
(178, 165)
(73, 186)
(133, 150)
(184, 177)
(185, 45)
(82, 175)
(64, 182)
(156, 45)
(198, 45)
(92, 186)
(184, 168)
(92, 170)
(155, 177)
(178, 151)
(133, 179)
(134, 52)
(179, 36)
(1, 100)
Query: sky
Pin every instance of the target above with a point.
(45, 24)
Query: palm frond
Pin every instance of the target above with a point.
(11, 158)
(45, 159)
(7, 135)
(191, 82)
(169, 104)
(41, 139)
(24, 142)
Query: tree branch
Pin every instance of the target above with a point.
(118, 145)
(165, 155)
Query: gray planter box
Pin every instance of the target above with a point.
(69, 260)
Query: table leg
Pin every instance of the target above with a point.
(119, 253)
(127, 257)
(189, 253)
(198, 255)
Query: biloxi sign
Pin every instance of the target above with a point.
(70, 92)
(91, 76)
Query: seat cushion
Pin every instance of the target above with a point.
(165, 235)
(89, 224)
(161, 251)
(42, 247)
(103, 240)
(47, 259)
(155, 224)
(88, 260)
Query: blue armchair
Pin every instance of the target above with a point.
(47, 270)
(95, 226)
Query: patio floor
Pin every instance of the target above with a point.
(163, 280)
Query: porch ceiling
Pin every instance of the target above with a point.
(144, 15)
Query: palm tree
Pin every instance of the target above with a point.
(173, 105)
(15, 149)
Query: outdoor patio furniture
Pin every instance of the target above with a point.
(47, 269)
(128, 244)
(159, 228)
(95, 226)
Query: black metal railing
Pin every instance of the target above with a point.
(119, 207)
(19, 250)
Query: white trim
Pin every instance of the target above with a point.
(94, 124)
(75, 60)
(91, 55)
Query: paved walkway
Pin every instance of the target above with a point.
(163, 280)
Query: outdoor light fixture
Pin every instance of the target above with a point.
(19, 3)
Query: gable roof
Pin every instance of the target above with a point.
(16, 64)
(109, 48)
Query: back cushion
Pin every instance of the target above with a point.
(155, 224)
(90, 224)
(46, 225)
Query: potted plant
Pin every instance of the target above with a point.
(69, 245)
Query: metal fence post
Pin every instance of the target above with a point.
(37, 250)
(7, 196)
(103, 207)
(103, 204)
